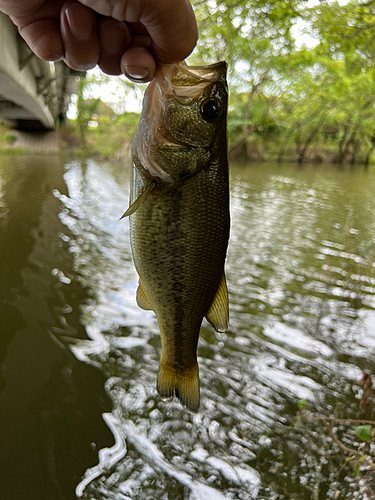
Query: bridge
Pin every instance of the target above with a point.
(34, 94)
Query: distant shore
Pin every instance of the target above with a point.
(113, 141)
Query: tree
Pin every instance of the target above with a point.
(85, 109)
(251, 36)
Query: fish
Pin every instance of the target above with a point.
(179, 216)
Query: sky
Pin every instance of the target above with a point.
(113, 93)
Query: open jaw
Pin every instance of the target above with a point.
(185, 83)
(184, 76)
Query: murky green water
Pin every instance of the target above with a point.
(79, 413)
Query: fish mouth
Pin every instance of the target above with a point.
(176, 149)
(163, 142)
(188, 81)
(166, 141)
(185, 83)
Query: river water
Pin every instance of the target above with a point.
(79, 412)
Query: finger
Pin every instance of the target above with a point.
(20, 9)
(138, 64)
(137, 29)
(114, 41)
(44, 39)
(122, 10)
(80, 37)
(38, 23)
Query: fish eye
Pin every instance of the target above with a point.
(210, 110)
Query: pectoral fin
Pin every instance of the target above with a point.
(142, 299)
(218, 313)
(139, 201)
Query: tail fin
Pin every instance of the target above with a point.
(185, 386)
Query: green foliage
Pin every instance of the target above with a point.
(85, 109)
(363, 432)
(286, 100)
(112, 134)
(10, 138)
(302, 403)
(7, 139)
(295, 97)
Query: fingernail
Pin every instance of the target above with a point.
(112, 36)
(80, 21)
(136, 72)
(56, 57)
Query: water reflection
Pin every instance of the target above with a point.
(50, 404)
(300, 275)
(299, 331)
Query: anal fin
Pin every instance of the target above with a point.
(142, 299)
(218, 313)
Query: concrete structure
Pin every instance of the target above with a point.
(34, 94)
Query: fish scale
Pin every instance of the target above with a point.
(179, 234)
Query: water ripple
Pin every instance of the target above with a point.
(299, 269)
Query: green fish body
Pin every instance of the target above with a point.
(179, 216)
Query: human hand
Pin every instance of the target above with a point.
(121, 36)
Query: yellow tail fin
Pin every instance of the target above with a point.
(185, 386)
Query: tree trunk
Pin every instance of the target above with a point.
(309, 140)
(242, 146)
(245, 127)
(355, 148)
(339, 158)
(369, 152)
(239, 150)
(298, 139)
(280, 156)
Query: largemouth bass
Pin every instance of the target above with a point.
(179, 215)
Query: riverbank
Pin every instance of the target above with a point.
(255, 150)
(104, 139)
(108, 138)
